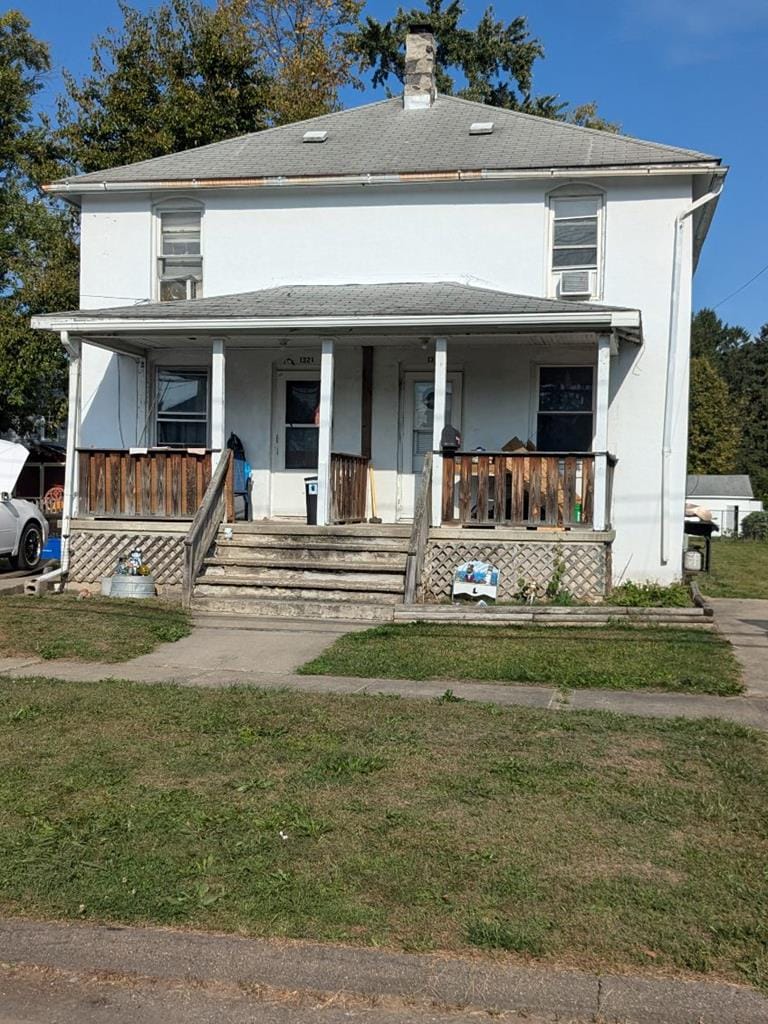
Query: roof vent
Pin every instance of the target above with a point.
(315, 136)
(481, 128)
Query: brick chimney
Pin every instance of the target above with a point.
(420, 90)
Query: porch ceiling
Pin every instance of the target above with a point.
(353, 312)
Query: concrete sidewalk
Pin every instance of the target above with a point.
(228, 651)
(302, 975)
(745, 623)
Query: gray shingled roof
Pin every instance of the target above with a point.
(383, 138)
(444, 298)
(731, 485)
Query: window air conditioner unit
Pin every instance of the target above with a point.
(576, 282)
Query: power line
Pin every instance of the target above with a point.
(745, 285)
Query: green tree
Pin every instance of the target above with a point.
(186, 74)
(742, 362)
(714, 433)
(180, 76)
(714, 339)
(302, 47)
(38, 257)
(747, 373)
(494, 61)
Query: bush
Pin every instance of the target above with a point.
(650, 595)
(755, 526)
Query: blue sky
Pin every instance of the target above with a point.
(686, 72)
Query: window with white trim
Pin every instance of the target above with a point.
(180, 258)
(182, 407)
(564, 420)
(576, 243)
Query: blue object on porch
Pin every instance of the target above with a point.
(242, 473)
(52, 549)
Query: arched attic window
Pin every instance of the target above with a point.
(576, 249)
(179, 250)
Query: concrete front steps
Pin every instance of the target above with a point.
(282, 570)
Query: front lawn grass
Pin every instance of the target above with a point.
(582, 837)
(615, 657)
(739, 569)
(92, 629)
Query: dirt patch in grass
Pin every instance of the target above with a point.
(93, 629)
(383, 821)
(739, 569)
(616, 657)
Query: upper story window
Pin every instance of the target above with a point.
(575, 270)
(180, 259)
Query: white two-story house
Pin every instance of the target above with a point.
(336, 292)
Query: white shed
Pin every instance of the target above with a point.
(728, 497)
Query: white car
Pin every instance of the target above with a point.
(23, 528)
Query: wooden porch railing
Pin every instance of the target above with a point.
(162, 484)
(349, 488)
(521, 488)
(417, 545)
(215, 507)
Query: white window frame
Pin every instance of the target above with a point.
(552, 274)
(565, 365)
(176, 205)
(162, 368)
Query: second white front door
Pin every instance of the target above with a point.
(417, 405)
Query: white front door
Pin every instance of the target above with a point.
(295, 427)
(417, 404)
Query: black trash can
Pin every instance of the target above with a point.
(310, 493)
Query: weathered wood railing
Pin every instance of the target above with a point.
(417, 545)
(158, 484)
(217, 505)
(349, 488)
(522, 488)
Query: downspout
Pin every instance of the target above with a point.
(669, 393)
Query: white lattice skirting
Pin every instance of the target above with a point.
(586, 565)
(94, 554)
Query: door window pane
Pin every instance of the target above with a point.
(301, 447)
(302, 401)
(424, 415)
(302, 416)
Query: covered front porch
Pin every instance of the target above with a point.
(353, 385)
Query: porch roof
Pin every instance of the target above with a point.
(403, 307)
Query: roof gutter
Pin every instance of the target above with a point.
(629, 319)
(76, 187)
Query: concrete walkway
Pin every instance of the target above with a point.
(745, 624)
(227, 651)
(309, 980)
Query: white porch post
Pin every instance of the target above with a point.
(324, 434)
(438, 422)
(71, 465)
(218, 400)
(600, 436)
